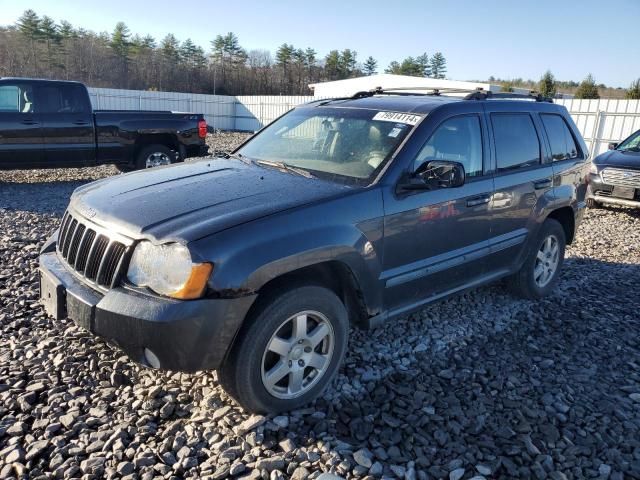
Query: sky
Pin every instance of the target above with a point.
(479, 38)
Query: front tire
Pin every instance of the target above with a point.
(540, 272)
(288, 352)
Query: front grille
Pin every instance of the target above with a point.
(623, 178)
(93, 253)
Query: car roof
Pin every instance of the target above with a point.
(421, 103)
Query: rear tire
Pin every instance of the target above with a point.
(155, 155)
(540, 271)
(288, 351)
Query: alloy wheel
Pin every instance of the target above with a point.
(547, 260)
(297, 355)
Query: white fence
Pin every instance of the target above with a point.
(600, 121)
(603, 121)
(224, 112)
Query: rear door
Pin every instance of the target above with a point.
(20, 126)
(523, 181)
(68, 130)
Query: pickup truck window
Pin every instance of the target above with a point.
(338, 144)
(16, 98)
(62, 99)
(458, 139)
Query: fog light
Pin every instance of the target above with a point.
(151, 358)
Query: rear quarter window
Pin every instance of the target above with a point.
(516, 141)
(563, 145)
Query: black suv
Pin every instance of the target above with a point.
(344, 211)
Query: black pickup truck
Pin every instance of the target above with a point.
(51, 124)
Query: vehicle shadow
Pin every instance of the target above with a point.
(540, 376)
(631, 212)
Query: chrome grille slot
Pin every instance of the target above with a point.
(95, 257)
(620, 177)
(91, 251)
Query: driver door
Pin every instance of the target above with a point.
(436, 241)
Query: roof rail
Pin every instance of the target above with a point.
(473, 94)
(532, 95)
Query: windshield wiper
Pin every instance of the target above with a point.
(237, 156)
(287, 167)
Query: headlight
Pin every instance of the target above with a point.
(593, 169)
(168, 270)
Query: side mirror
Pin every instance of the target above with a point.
(436, 174)
(613, 146)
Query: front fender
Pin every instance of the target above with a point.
(346, 230)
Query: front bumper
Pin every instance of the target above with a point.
(601, 192)
(183, 335)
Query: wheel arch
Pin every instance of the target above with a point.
(565, 216)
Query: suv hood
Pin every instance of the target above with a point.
(192, 200)
(616, 158)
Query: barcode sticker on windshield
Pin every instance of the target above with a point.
(397, 117)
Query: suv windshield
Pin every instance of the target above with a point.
(340, 144)
(631, 144)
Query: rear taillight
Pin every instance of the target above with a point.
(202, 128)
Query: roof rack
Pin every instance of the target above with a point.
(472, 94)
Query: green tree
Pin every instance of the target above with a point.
(634, 90)
(332, 65)
(347, 64)
(438, 65)
(547, 85)
(507, 87)
(370, 66)
(29, 25)
(422, 61)
(587, 89)
(120, 40)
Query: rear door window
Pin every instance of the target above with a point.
(62, 99)
(563, 145)
(516, 141)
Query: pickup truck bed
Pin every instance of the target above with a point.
(50, 124)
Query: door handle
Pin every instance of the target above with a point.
(475, 201)
(540, 184)
(81, 122)
(29, 122)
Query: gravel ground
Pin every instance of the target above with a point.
(482, 385)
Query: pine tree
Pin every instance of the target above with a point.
(29, 25)
(332, 65)
(347, 64)
(422, 61)
(587, 89)
(547, 85)
(120, 40)
(370, 66)
(634, 90)
(438, 65)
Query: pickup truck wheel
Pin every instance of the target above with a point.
(541, 270)
(289, 351)
(155, 156)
